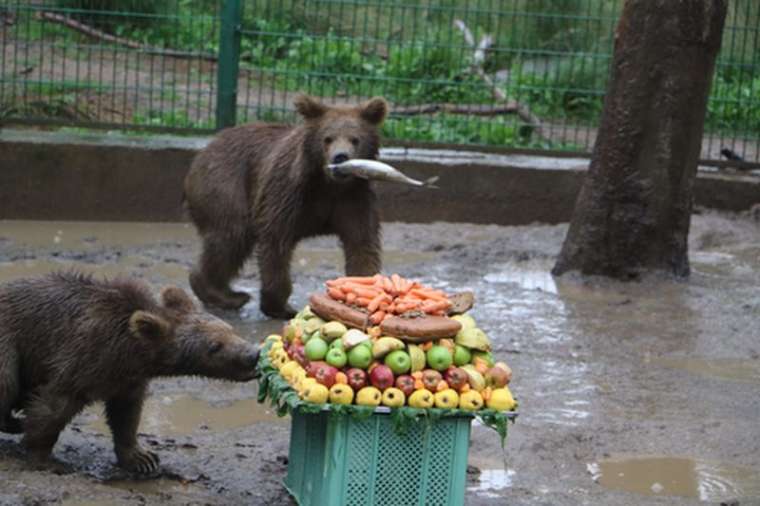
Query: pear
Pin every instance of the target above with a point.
(470, 401)
(393, 397)
(369, 396)
(341, 394)
(447, 399)
(501, 399)
(385, 345)
(313, 325)
(473, 338)
(477, 381)
(417, 356)
(467, 321)
(316, 393)
(333, 330)
(421, 399)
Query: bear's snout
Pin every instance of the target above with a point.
(340, 157)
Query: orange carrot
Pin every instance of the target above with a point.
(336, 293)
(350, 297)
(361, 291)
(377, 317)
(388, 285)
(436, 306)
(375, 302)
(417, 375)
(428, 294)
(363, 301)
(441, 386)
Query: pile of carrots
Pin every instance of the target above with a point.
(385, 296)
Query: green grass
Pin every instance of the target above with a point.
(554, 53)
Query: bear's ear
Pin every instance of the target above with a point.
(374, 110)
(309, 107)
(147, 325)
(175, 298)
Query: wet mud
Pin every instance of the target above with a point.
(608, 375)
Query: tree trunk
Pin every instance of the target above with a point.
(633, 211)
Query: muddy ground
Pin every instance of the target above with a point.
(644, 393)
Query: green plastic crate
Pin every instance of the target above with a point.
(345, 461)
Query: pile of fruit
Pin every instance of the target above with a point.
(327, 362)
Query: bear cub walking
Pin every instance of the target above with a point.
(68, 340)
(268, 186)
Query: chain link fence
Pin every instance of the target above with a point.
(508, 74)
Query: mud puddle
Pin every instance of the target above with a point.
(493, 478)
(166, 272)
(159, 486)
(185, 415)
(733, 369)
(677, 476)
(92, 235)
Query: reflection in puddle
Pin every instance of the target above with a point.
(672, 476)
(180, 416)
(492, 481)
(531, 276)
(746, 371)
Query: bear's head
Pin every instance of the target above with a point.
(338, 134)
(188, 341)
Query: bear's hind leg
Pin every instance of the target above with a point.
(123, 414)
(222, 258)
(9, 392)
(47, 414)
(276, 287)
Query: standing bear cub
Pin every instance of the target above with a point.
(268, 186)
(67, 340)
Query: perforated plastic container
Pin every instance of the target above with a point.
(344, 461)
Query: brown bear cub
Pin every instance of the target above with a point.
(268, 186)
(68, 340)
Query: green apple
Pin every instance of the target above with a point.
(360, 356)
(336, 357)
(439, 358)
(337, 343)
(315, 349)
(399, 361)
(462, 355)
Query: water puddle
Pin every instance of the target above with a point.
(492, 481)
(92, 235)
(675, 476)
(183, 415)
(733, 369)
(527, 275)
(309, 259)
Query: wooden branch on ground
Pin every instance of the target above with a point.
(479, 51)
(121, 41)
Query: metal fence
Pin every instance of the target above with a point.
(527, 74)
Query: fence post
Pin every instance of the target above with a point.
(229, 63)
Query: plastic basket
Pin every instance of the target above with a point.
(346, 461)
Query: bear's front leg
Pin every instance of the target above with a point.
(276, 287)
(123, 414)
(47, 414)
(357, 224)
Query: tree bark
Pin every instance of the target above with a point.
(633, 211)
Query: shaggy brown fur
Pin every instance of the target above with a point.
(67, 340)
(267, 185)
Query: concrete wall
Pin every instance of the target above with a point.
(49, 176)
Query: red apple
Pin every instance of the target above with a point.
(311, 370)
(431, 378)
(357, 378)
(299, 356)
(405, 383)
(456, 378)
(497, 377)
(381, 377)
(325, 374)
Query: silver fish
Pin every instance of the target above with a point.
(378, 171)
